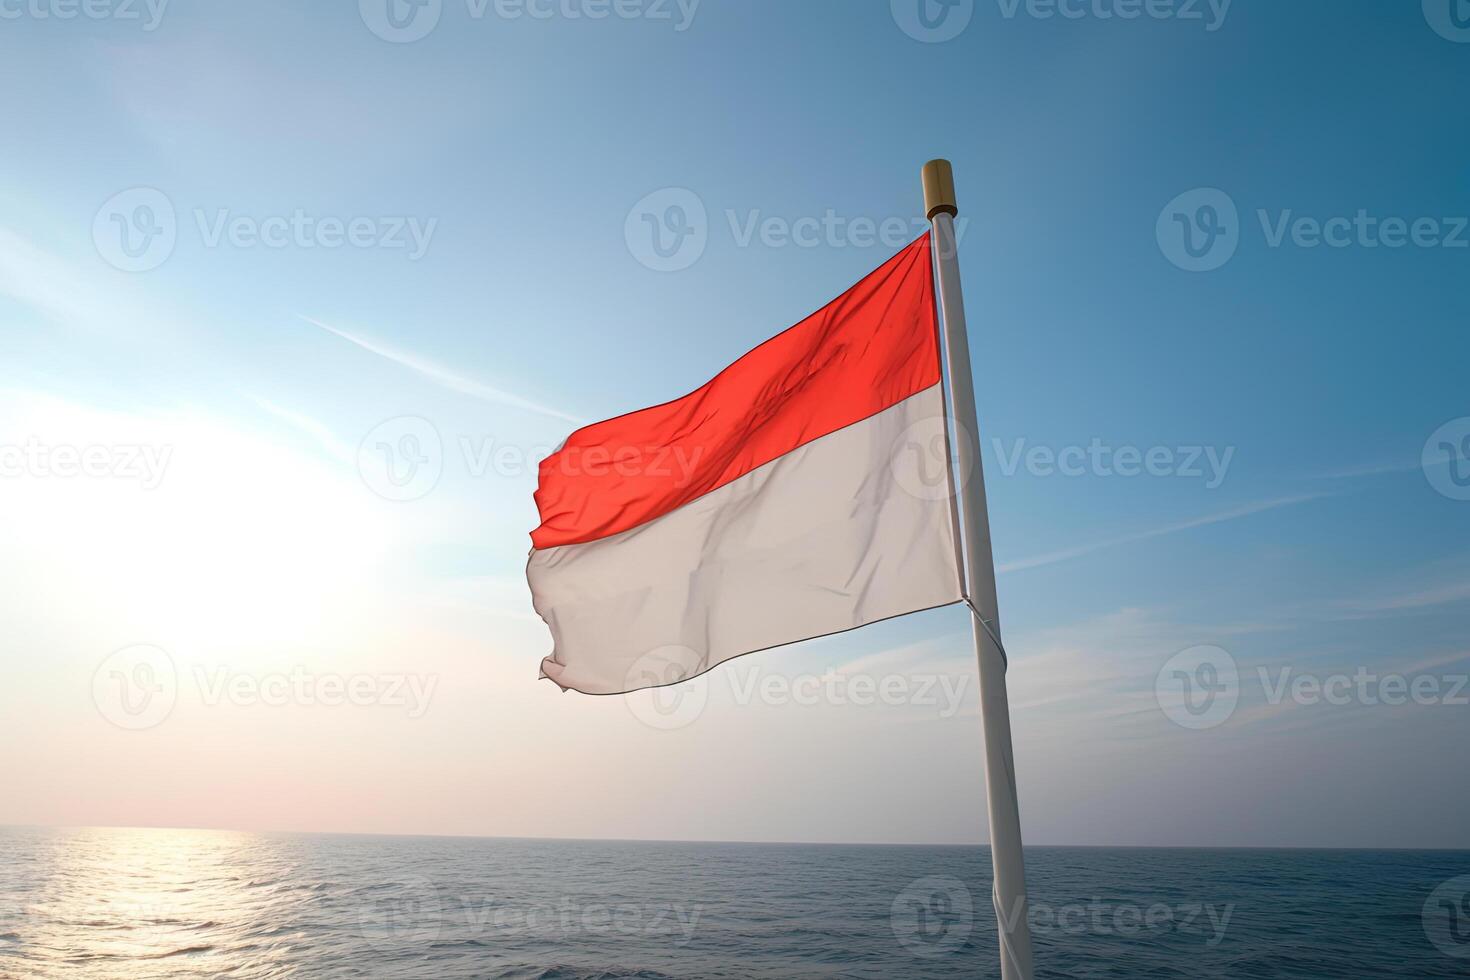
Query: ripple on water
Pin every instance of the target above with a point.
(126, 904)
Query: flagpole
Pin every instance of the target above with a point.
(1009, 897)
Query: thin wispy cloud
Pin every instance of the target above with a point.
(60, 290)
(1066, 554)
(1438, 595)
(1385, 468)
(500, 596)
(947, 655)
(1369, 469)
(443, 376)
(1288, 715)
(324, 437)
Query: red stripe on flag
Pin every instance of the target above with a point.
(867, 350)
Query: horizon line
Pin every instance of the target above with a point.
(772, 843)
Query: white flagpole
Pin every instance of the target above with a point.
(1000, 770)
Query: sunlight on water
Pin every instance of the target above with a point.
(113, 904)
(105, 903)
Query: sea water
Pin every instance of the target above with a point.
(134, 904)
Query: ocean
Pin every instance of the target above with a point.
(136, 904)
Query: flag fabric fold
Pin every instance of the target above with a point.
(804, 491)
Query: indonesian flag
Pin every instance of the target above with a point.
(806, 490)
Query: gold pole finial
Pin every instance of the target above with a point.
(939, 189)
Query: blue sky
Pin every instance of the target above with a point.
(497, 171)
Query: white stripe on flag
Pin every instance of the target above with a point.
(849, 529)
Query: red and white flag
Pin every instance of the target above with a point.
(804, 491)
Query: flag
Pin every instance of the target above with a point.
(805, 490)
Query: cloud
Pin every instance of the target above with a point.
(1380, 469)
(1065, 554)
(1092, 682)
(446, 378)
(324, 436)
(500, 596)
(1368, 469)
(57, 289)
(1437, 595)
(948, 654)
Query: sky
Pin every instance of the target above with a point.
(294, 296)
